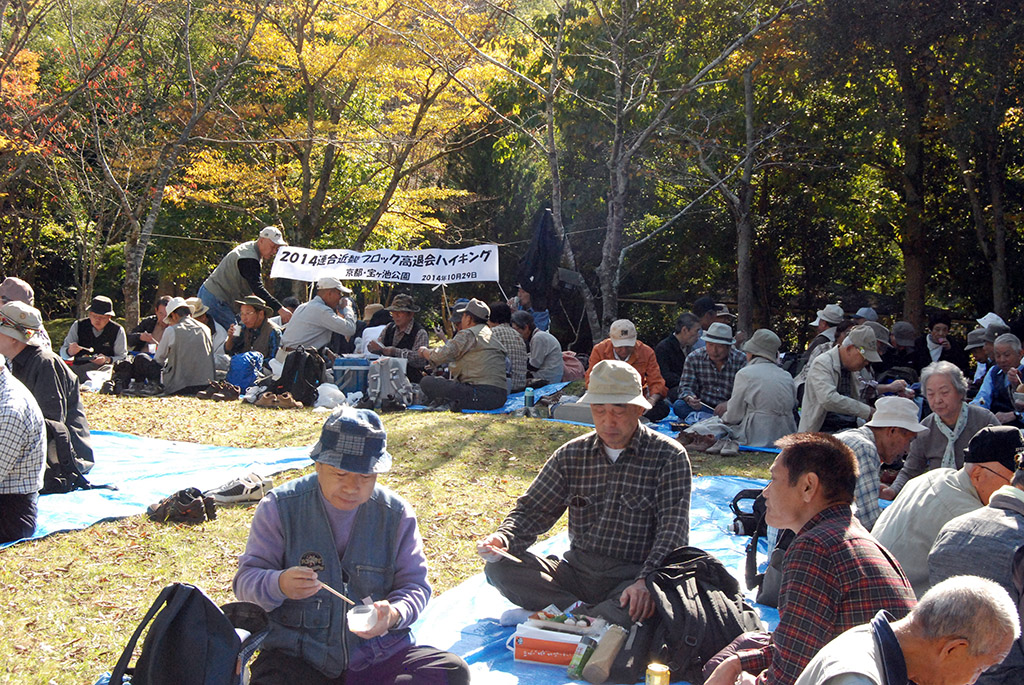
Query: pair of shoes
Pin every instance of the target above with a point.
(150, 390)
(251, 488)
(730, 448)
(286, 401)
(207, 392)
(267, 399)
(392, 404)
(227, 393)
(701, 443)
(717, 447)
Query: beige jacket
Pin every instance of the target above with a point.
(821, 393)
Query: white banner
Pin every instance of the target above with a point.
(431, 266)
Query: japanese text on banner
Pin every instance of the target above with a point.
(431, 266)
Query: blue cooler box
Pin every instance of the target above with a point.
(350, 374)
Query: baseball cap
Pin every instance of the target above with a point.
(273, 234)
(866, 313)
(622, 333)
(863, 338)
(175, 304)
(331, 283)
(1002, 444)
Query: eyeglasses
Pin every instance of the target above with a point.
(1001, 476)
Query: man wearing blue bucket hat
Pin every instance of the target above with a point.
(338, 528)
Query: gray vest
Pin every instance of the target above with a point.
(314, 629)
(225, 283)
(983, 543)
(190, 359)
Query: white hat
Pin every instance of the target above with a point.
(866, 313)
(622, 333)
(173, 305)
(990, 319)
(718, 332)
(615, 382)
(20, 321)
(273, 234)
(832, 313)
(897, 412)
(331, 283)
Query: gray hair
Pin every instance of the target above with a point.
(1010, 340)
(975, 609)
(956, 376)
(686, 320)
(523, 319)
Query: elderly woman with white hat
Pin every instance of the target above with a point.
(760, 409)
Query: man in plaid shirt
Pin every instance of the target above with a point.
(627, 489)
(22, 454)
(835, 575)
(709, 373)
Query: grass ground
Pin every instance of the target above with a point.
(73, 599)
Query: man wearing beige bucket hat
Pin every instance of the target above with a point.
(627, 489)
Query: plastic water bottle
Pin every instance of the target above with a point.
(528, 398)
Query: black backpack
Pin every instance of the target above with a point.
(63, 472)
(748, 522)
(302, 374)
(192, 641)
(701, 611)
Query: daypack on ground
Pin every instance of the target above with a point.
(63, 472)
(701, 611)
(244, 368)
(302, 374)
(192, 641)
(386, 382)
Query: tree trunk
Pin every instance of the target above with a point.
(915, 107)
(744, 221)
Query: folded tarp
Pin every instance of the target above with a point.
(145, 470)
(515, 400)
(464, 620)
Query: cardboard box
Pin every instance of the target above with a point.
(540, 646)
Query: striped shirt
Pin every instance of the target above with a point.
(22, 438)
(835, 576)
(635, 509)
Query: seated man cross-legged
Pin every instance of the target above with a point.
(338, 527)
(627, 489)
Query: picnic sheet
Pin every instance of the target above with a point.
(514, 401)
(464, 620)
(145, 470)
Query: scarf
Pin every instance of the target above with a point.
(949, 456)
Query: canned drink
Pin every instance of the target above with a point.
(658, 674)
(584, 650)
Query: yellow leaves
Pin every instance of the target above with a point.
(22, 79)
(213, 178)
(1014, 119)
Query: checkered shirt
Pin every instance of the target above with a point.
(835, 576)
(22, 438)
(515, 349)
(862, 442)
(701, 379)
(635, 509)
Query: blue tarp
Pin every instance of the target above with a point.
(464, 620)
(146, 470)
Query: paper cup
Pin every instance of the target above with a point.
(362, 618)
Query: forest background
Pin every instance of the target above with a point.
(775, 154)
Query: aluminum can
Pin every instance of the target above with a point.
(658, 674)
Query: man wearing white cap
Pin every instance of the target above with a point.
(883, 439)
(239, 274)
(627, 489)
(312, 324)
(622, 344)
(832, 387)
(183, 363)
(476, 364)
(825, 324)
(49, 380)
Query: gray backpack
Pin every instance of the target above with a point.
(387, 386)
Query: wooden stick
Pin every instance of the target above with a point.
(325, 586)
(502, 553)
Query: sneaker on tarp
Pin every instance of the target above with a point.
(251, 488)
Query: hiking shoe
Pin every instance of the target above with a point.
(227, 393)
(717, 447)
(208, 392)
(150, 390)
(107, 388)
(730, 448)
(184, 506)
(365, 403)
(251, 488)
(391, 404)
(268, 400)
(286, 401)
(702, 443)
